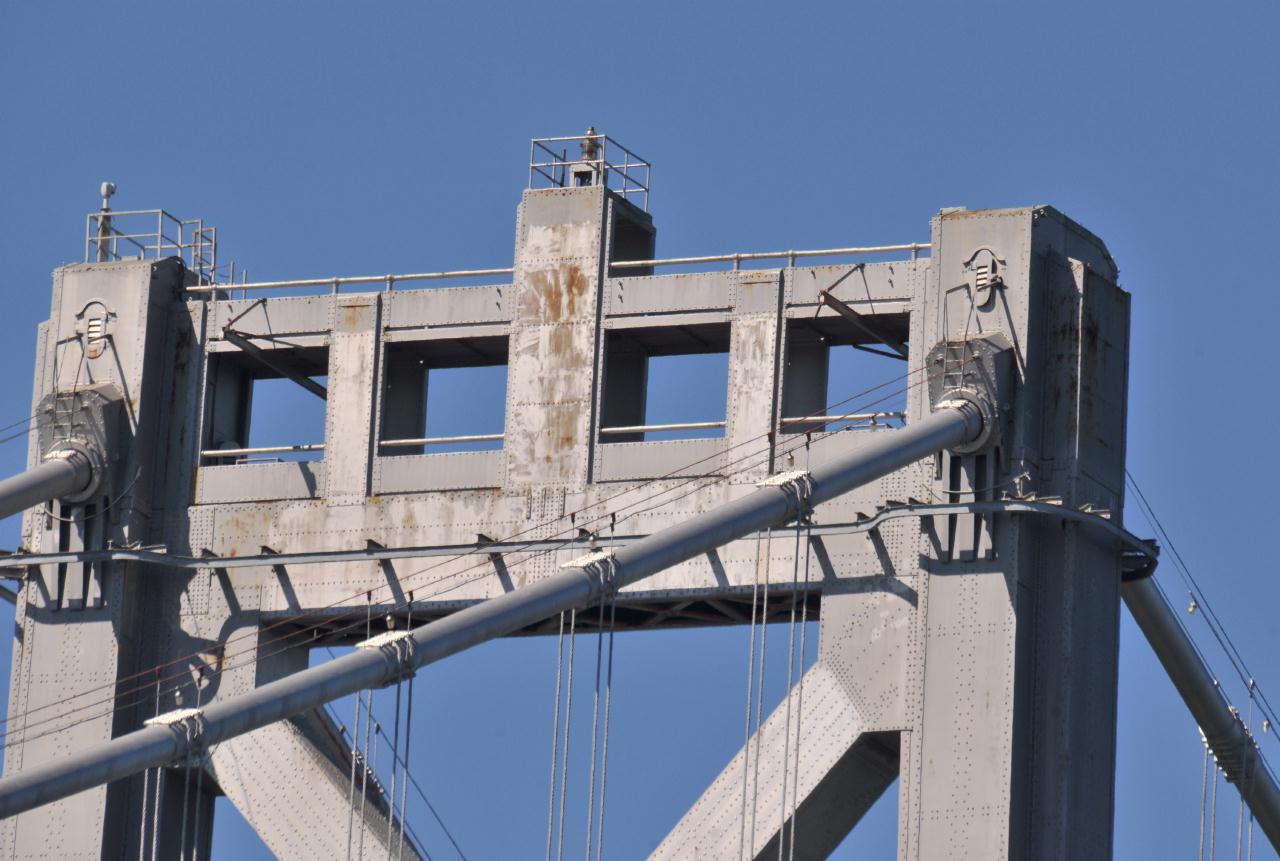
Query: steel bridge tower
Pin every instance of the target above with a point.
(969, 600)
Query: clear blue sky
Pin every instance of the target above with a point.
(328, 139)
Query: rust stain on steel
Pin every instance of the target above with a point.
(1089, 362)
(561, 431)
(352, 316)
(554, 294)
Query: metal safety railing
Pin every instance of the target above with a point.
(867, 420)
(245, 455)
(151, 234)
(390, 282)
(242, 455)
(622, 172)
(417, 442)
(673, 426)
(790, 256)
(335, 285)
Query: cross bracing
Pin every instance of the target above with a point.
(987, 567)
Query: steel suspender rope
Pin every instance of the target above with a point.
(155, 821)
(371, 767)
(555, 738)
(186, 785)
(355, 735)
(804, 630)
(604, 752)
(568, 718)
(146, 788)
(608, 697)
(186, 794)
(1240, 817)
(595, 732)
(786, 734)
(395, 769)
(351, 786)
(373, 770)
(764, 633)
(408, 736)
(751, 678)
(204, 757)
(1213, 812)
(1204, 792)
(368, 726)
(1249, 850)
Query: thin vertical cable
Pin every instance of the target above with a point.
(155, 822)
(186, 789)
(1213, 813)
(595, 732)
(1240, 823)
(155, 827)
(1240, 831)
(804, 631)
(371, 767)
(608, 702)
(195, 828)
(764, 633)
(604, 753)
(555, 738)
(1204, 792)
(395, 769)
(142, 830)
(351, 787)
(568, 718)
(186, 793)
(751, 681)
(786, 734)
(368, 726)
(146, 787)
(408, 737)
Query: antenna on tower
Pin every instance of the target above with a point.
(107, 189)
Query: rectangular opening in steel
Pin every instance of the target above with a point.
(839, 376)
(444, 395)
(665, 382)
(256, 413)
(632, 238)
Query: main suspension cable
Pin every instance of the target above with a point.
(533, 528)
(255, 654)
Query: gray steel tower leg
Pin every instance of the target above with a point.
(1011, 749)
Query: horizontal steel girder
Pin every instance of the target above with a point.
(952, 424)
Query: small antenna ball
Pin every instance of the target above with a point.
(108, 189)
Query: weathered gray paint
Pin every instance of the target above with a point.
(1009, 660)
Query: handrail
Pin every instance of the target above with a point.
(667, 427)
(389, 280)
(914, 247)
(848, 417)
(442, 440)
(265, 449)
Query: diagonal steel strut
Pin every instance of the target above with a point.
(952, 424)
